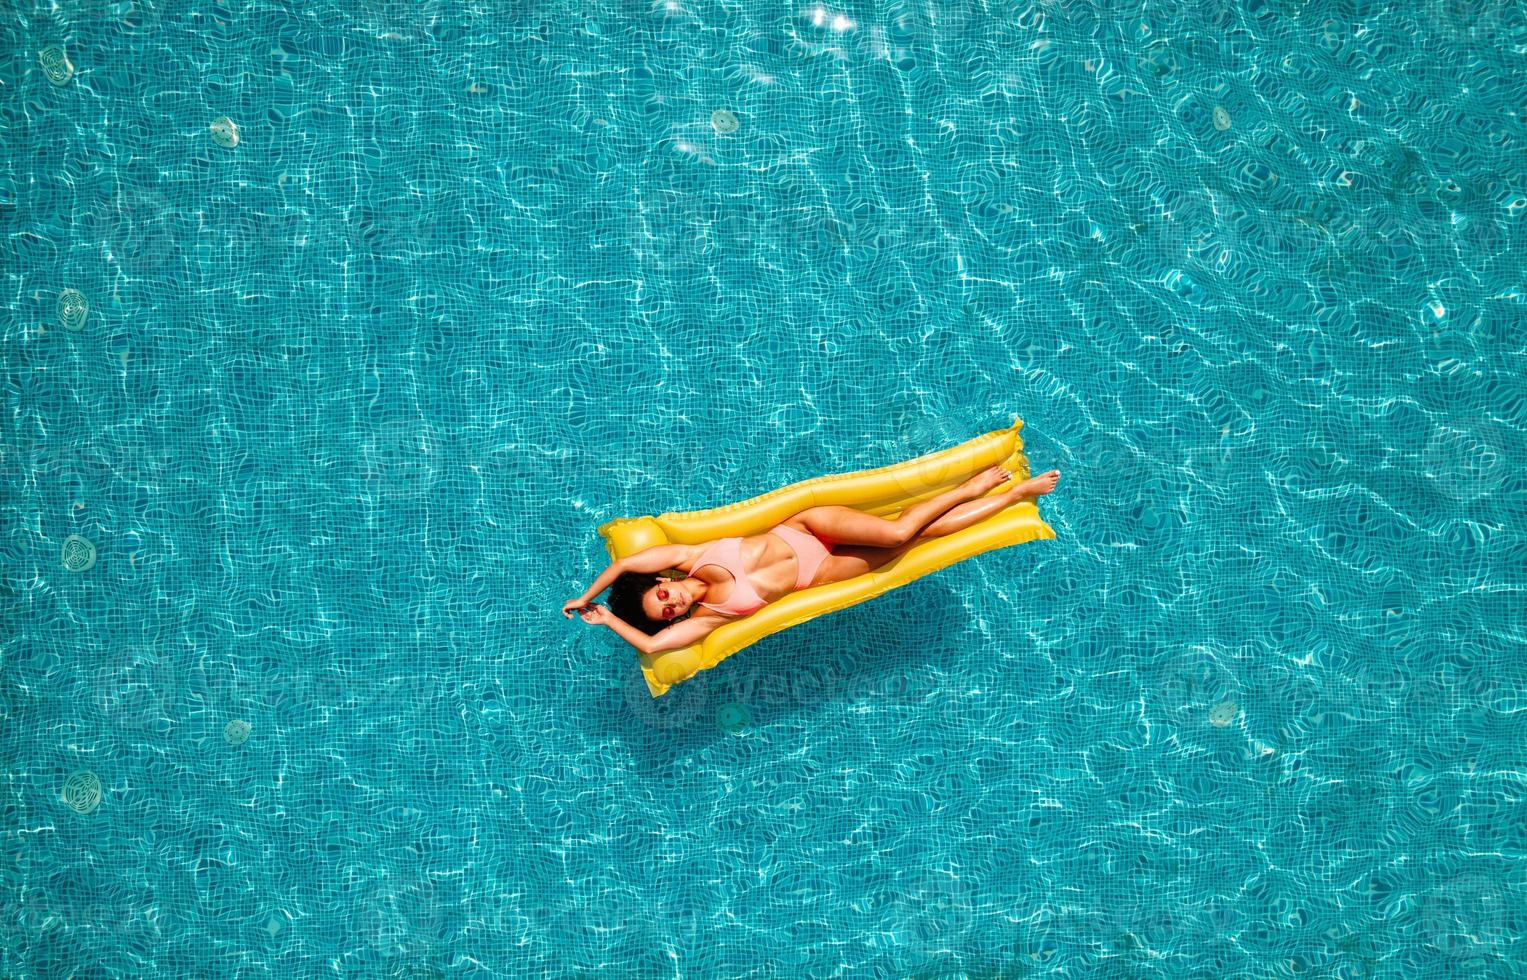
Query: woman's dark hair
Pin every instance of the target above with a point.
(626, 601)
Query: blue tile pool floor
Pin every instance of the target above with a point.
(335, 330)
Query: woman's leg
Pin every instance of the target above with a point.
(845, 525)
(967, 514)
(851, 561)
(847, 562)
(976, 511)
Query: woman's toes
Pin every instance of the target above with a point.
(1038, 486)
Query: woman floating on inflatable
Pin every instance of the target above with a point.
(755, 567)
(740, 575)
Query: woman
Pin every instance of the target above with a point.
(734, 577)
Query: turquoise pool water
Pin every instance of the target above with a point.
(335, 409)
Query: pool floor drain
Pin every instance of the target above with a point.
(79, 553)
(732, 718)
(82, 792)
(73, 308)
(225, 132)
(54, 62)
(236, 732)
(724, 121)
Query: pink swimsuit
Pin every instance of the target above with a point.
(810, 552)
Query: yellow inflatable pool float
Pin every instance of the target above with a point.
(885, 491)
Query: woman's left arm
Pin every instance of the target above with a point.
(658, 558)
(606, 579)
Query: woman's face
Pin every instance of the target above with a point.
(666, 600)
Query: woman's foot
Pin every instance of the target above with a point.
(1037, 486)
(993, 476)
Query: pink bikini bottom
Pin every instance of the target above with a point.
(809, 550)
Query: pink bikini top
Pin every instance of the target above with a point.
(727, 552)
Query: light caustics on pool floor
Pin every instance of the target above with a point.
(338, 331)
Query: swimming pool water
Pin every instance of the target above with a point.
(300, 474)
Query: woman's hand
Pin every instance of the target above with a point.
(596, 615)
(573, 605)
